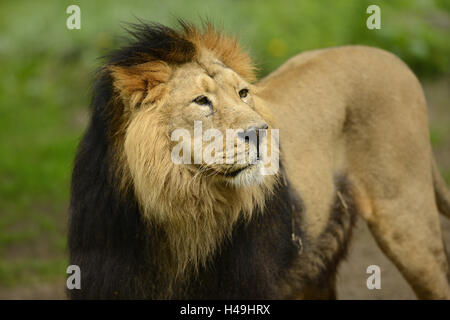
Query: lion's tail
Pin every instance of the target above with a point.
(441, 192)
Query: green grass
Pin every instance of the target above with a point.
(46, 71)
(30, 271)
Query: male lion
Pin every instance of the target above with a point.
(353, 137)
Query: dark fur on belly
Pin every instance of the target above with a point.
(314, 274)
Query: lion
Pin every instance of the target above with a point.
(353, 141)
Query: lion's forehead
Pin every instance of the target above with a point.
(207, 77)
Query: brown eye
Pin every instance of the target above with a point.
(243, 93)
(203, 101)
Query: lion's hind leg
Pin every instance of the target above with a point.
(407, 229)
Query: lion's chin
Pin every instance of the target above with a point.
(248, 176)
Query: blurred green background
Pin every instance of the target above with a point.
(46, 74)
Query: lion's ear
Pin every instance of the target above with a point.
(140, 83)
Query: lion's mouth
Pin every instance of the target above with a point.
(231, 174)
(236, 172)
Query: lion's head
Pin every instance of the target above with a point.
(194, 82)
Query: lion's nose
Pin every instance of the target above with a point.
(261, 126)
(254, 131)
(253, 135)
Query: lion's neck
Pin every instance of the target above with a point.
(196, 226)
(198, 248)
(195, 211)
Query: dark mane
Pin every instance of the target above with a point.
(107, 234)
(154, 42)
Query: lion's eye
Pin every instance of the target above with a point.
(202, 100)
(243, 93)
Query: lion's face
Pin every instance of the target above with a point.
(206, 119)
(216, 106)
